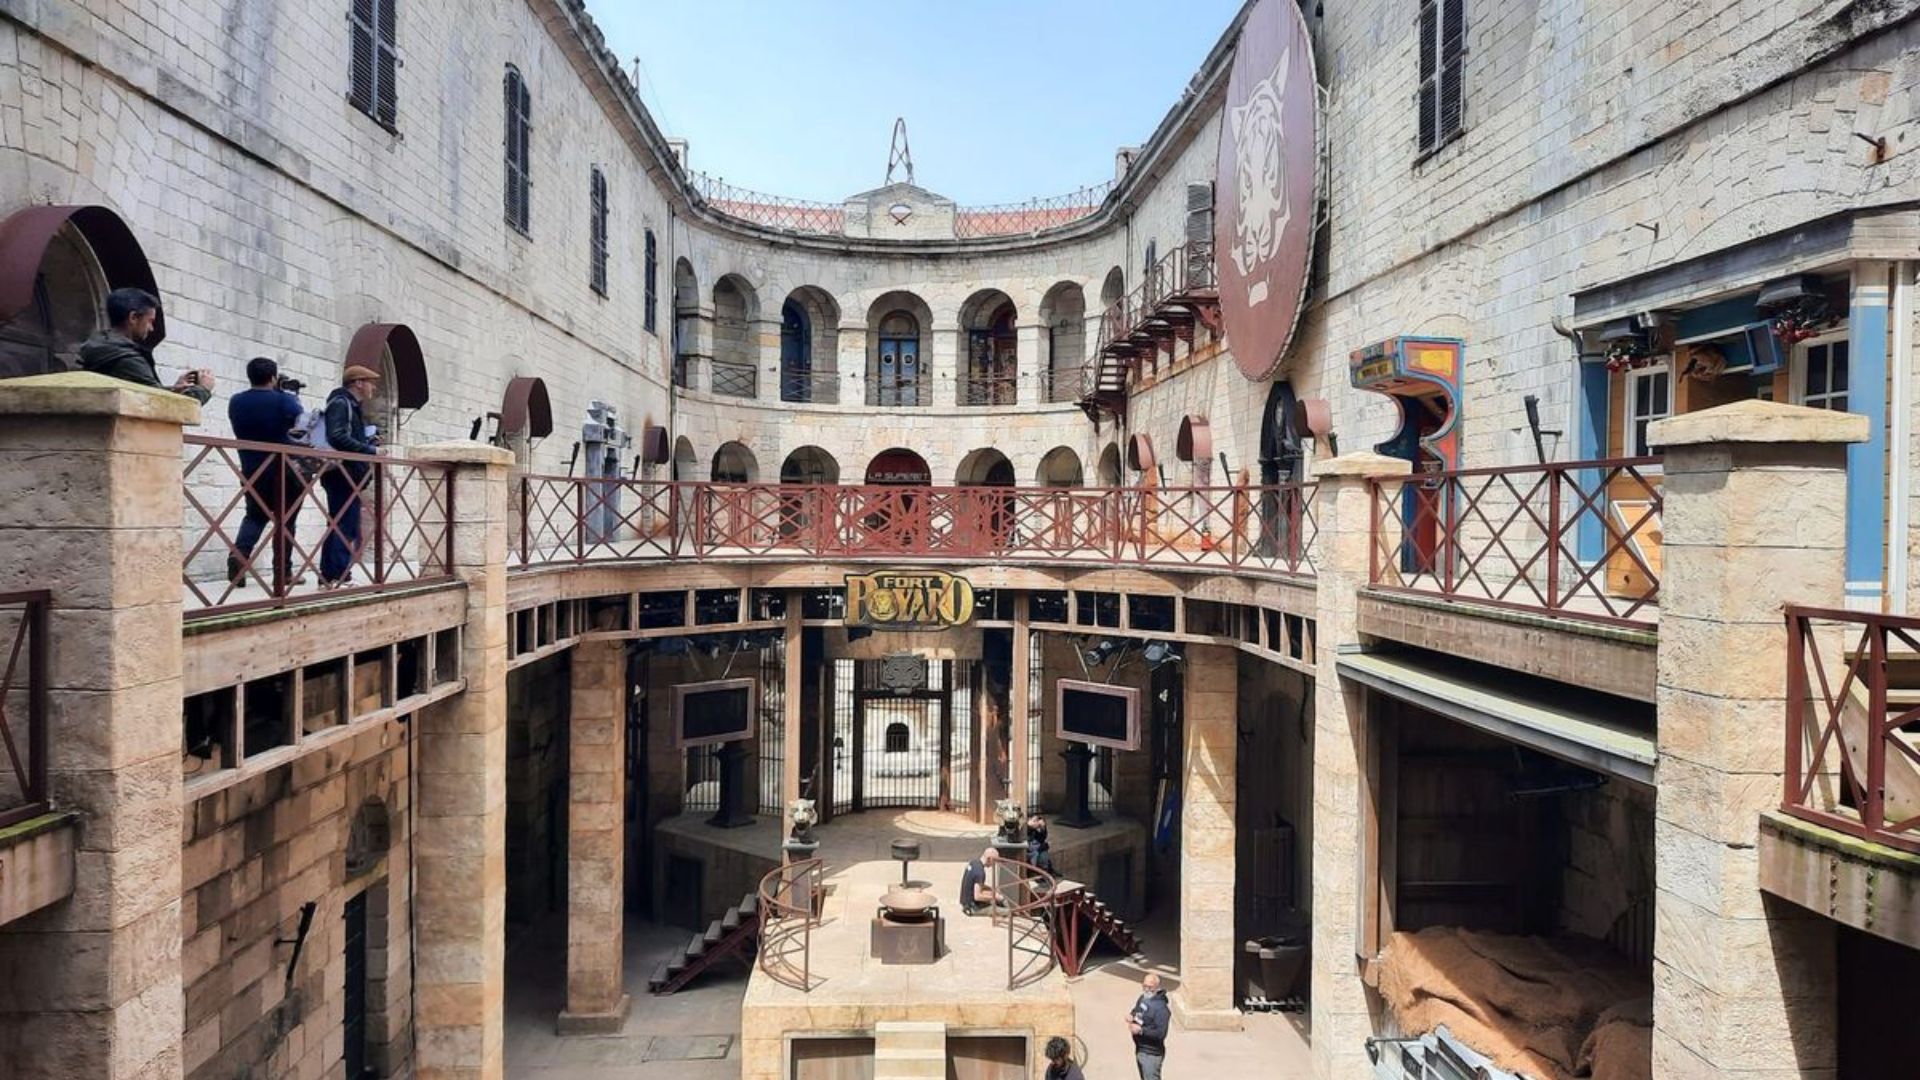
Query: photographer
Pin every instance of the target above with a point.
(266, 412)
(121, 352)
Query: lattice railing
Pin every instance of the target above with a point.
(24, 651)
(1853, 723)
(769, 211)
(1033, 215)
(810, 387)
(296, 522)
(1580, 539)
(735, 379)
(830, 219)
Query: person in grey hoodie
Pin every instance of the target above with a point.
(1148, 1022)
(120, 352)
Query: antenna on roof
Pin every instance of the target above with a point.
(899, 157)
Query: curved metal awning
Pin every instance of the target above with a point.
(525, 410)
(1195, 442)
(374, 340)
(25, 236)
(1140, 453)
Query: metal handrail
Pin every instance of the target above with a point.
(819, 217)
(1852, 750)
(1032, 900)
(779, 916)
(29, 637)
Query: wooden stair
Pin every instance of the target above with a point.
(736, 933)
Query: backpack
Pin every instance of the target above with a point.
(310, 430)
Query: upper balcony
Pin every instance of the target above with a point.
(897, 211)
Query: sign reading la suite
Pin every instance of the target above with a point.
(908, 600)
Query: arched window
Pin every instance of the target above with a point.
(653, 284)
(597, 235)
(796, 353)
(519, 117)
(897, 738)
(899, 375)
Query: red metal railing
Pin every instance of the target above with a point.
(1853, 723)
(1177, 285)
(1026, 909)
(789, 899)
(569, 519)
(1033, 215)
(367, 522)
(830, 219)
(1579, 539)
(23, 704)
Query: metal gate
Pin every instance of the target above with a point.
(903, 741)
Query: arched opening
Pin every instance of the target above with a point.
(1194, 445)
(993, 517)
(810, 465)
(809, 340)
(735, 308)
(896, 521)
(985, 467)
(392, 350)
(686, 462)
(733, 463)
(898, 738)
(1063, 318)
(526, 417)
(1112, 321)
(57, 264)
(897, 326)
(1113, 288)
(1060, 468)
(686, 314)
(899, 466)
(990, 367)
(1109, 468)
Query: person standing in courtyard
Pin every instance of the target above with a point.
(121, 352)
(1148, 1022)
(265, 413)
(347, 430)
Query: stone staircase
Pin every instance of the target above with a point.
(909, 1050)
(737, 933)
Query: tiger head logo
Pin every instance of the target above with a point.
(1260, 137)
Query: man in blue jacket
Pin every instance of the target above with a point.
(264, 413)
(1148, 1022)
(347, 430)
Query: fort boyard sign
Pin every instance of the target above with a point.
(1267, 177)
(908, 600)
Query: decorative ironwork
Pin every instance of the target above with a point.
(732, 379)
(1579, 539)
(1031, 216)
(1853, 723)
(816, 217)
(388, 520)
(810, 387)
(23, 681)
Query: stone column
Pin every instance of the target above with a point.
(91, 509)
(460, 826)
(794, 697)
(596, 841)
(1754, 500)
(1028, 384)
(1342, 798)
(1208, 802)
(1019, 694)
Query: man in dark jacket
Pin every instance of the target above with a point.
(347, 430)
(1039, 851)
(1060, 1064)
(1148, 1021)
(264, 413)
(120, 352)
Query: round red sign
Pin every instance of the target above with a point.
(1267, 179)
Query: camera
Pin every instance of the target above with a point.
(290, 385)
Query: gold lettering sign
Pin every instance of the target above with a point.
(908, 600)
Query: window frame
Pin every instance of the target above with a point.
(652, 290)
(597, 242)
(381, 28)
(1432, 72)
(1631, 418)
(517, 141)
(1799, 365)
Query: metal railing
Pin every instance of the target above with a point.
(1853, 723)
(569, 519)
(295, 522)
(23, 704)
(910, 391)
(1026, 907)
(818, 217)
(1578, 539)
(732, 378)
(981, 388)
(1033, 215)
(1182, 280)
(768, 211)
(810, 387)
(1061, 385)
(789, 899)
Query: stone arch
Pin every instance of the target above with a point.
(1063, 340)
(990, 350)
(1060, 467)
(57, 264)
(809, 465)
(686, 316)
(733, 463)
(809, 345)
(898, 465)
(898, 350)
(1109, 472)
(393, 350)
(686, 460)
(1113, 288)
(985, 467)
(736, 353)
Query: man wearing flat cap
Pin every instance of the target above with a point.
(348, 431)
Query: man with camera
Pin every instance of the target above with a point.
(120, 352)
(266, 412)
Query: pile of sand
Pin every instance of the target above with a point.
(1555, 1008)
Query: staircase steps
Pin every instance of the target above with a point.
(736, 933)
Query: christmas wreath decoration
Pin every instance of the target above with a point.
(1628, 353)
(1802, 319)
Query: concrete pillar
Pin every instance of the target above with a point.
(460, 839)
(1754, 499)
(90, 508)
(596, 841)
(1342, 1012)
(1207, 804)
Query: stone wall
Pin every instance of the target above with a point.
(1607, 883)
(537, 713)
(251, 857)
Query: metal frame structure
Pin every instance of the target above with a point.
(30, 636)
(787, 926)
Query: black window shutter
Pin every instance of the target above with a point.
(653, 275)
(386, 103)
(518, 197)
(526, 158)
(1429, 72)
(598, 245)
(361, 49)
(1453, 40)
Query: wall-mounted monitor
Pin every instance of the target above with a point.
(714, 712)
(1097, 714)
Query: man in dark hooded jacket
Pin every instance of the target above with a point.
(120, 353)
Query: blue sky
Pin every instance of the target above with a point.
(1004, 100)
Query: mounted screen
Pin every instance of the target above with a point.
(713, 712)
(1097, 714)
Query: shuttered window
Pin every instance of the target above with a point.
(519, 108)
(598, 197)
(653, 288)
(1443, 47)
(371, 86)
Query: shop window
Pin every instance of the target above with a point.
(519, 124)
(1649, 398)
(1443, 47)
(1821, 379)
(371, 86)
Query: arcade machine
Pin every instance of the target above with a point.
(1422, 376)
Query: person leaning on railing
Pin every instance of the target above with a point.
(266, 412)
(120, 352)
(348, 430)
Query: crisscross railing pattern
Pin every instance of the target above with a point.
(1578, 539)
(789, 899)
(292, 521)
(734, 379)
(1033, 215)
(1853, 723)
(984, 388)
(769, 211)
(23, 704)
(1026, 909)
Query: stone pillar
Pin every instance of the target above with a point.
(1754, 500)
(1019, 714)
(460, 838)
(1208, 801)
(942, 355)
(1029, 388)
(792, 724)
(596, 841)
(91, 509)
(1342, 798)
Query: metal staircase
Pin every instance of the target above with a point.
(734, 934)
(1080, 920)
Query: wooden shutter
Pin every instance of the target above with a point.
(653, 275)
(518, 184)
(361, 50)
(1429, 75)
(598, 242)
(1453, 47)
(386, 107)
